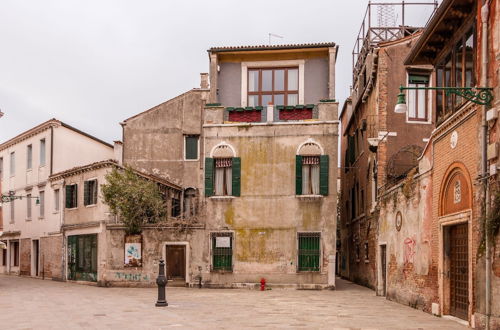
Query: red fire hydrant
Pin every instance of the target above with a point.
(262, 284)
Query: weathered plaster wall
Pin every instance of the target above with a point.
(51, 249)
(154, 140)
(266, 218)
(90, 213)
(411, 277)
(25, 256)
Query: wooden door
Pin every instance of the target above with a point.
(36, 256)
(459, 271)
(176, 262)
(383, 261)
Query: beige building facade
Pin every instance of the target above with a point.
(32, 223)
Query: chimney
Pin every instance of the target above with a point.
(204, 80)
(118, 151)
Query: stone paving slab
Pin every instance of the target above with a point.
(27, 303)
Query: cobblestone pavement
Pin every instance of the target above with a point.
(27, 303)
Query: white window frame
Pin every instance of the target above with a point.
(57, 200)
(275, 64)
(41, 210)
(43, 151)
(197, 148)
(29, 157)
(430, 96)
(12, 162)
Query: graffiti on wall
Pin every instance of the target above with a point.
(131, 277)
(409, 250)
(409, 253)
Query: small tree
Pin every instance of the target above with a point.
(135, 200)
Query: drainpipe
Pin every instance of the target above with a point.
(484, 158)
(51, 149)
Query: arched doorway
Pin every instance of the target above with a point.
(455, 209)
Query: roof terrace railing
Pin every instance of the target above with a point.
(391, 24)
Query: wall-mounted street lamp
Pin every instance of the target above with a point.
(11, 196)
(478, 95)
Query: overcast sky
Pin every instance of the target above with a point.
(95, 63)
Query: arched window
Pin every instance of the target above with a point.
(222, 172)
(311, 170)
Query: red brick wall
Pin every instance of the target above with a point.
(296, 114)
(245, 116)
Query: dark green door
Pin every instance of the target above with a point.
(82, 258)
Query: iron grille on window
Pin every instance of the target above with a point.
(222, 251)
(309, 251)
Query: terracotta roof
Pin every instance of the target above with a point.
(269, 47)
(110, 163)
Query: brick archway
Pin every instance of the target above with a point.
(456, 190)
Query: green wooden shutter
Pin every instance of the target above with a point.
(209, 177)
(86, 193)
(75, 196)
(298, 175)
(68, 197)
(94, 192)
(236, 176)
(323, 175)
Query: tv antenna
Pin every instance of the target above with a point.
(274, 35)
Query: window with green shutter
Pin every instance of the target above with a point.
(323, 175)
(309, 252)
(311, 175)
(209, 177)
(298, 175)
(222, 251)
(191, 147)
(222, 176)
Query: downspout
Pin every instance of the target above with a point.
(484, 158)
(51, 149)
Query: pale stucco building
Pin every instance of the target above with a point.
(31, 224)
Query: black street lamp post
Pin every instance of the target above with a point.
(161, 281)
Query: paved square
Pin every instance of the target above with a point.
(27, 303)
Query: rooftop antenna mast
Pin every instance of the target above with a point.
(274, 35)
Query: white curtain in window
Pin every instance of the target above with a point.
(219, 181)
(305, 180)
(315, 179)
(229, 180)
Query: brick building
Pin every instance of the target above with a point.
(432, 231)
(378, 147)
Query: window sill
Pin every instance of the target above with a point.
(308, 271)
(310, 197)
(222, 198)
(191, 160)
(28, 219)
(41, 218)
(221, 271)
(367, 261)
(55, 212)
(71, 208)
(91, 205)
